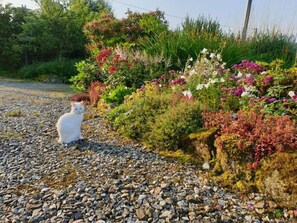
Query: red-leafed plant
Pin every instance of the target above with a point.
(81, 97)
(95, 89)
(268, 134)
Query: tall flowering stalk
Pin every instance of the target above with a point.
(205, 77)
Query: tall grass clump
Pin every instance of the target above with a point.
(194, 35)
(180, 44)
(268, 46)
(187, 42)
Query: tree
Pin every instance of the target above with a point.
(108, 31)
(11, 21)
(55, 30)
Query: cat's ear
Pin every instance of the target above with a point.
(72, 103)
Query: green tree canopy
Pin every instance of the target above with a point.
(11, 21)
(55, 30)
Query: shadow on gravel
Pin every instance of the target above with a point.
(107, 149)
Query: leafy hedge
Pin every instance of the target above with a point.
(61, 69)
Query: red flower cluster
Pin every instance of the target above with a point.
(103, 56)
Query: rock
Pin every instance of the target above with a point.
(166, 214)
(141, 197)
(206, 166)
(221, 202)
(203, 142)
(140, 213)
(276, 175)
(77, 215)
(102, 178)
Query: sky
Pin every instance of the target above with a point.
(265, 14)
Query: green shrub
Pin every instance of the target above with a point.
(132, 118)
(117, 95)
(168, 130)
(87, 73)
(62, 69)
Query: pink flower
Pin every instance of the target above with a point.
(239, 91)
(270, 100)
(268, 79)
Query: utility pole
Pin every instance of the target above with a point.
(246, 21)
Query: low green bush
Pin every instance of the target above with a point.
(117, 95)
(39, 71)
(132, 118)
(169, 130)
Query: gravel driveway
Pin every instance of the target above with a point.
(98, 179)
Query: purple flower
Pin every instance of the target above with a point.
(171, 72)
(223, 99)
(270, 100)
(248, 67)
(239, 91)
(268, 79)
(250, 80)
(178, 81)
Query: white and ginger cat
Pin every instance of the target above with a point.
(69, 124)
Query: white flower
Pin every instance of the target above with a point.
(219, 57)
(204, 51)
(182, 77)
(239, 75)
(189, 66)
(264, 72)
(199, 87)
(249, 88)
(212, 55)
(291, 94)
(191, 59)
(187, 93)
(206, 85)
(248, 75)
(245, 93)
(215, 73)
(222, 80)
(192, 72)
(212, 81)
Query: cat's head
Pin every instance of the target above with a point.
(77, 107)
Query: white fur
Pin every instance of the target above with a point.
(69, 124)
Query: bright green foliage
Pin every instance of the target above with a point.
(116, 96)
(132, 118)
(87, 73)
(168, 130)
